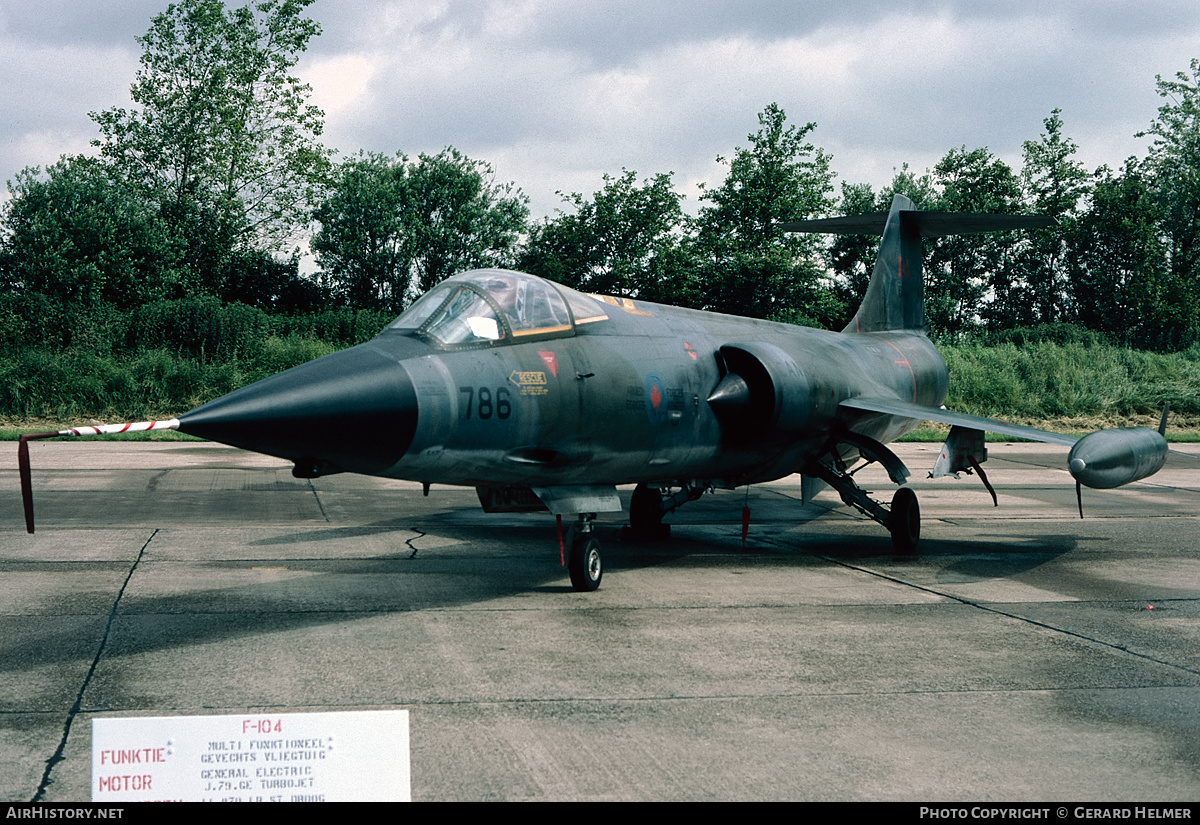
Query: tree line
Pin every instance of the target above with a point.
(199, 195)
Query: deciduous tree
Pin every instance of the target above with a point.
(221, 124)
(1123, 285)
(77, 235)
(1054, 184)
(623, 240)
(1173, 168)
(747, 264)
(361, 244)
(960, 269)
(390, 227)
(459, 217)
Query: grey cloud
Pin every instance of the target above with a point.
(561, 92)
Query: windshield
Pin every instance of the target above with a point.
(488, 306)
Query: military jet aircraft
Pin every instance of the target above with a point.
(545, 398)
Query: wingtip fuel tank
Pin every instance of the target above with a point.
(1110, 458)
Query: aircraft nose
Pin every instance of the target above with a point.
(354, 410)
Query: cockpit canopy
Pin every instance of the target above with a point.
(486, 307)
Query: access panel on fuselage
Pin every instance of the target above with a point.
(642, 406)
(508, 414)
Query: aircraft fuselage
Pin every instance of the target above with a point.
(626, 402)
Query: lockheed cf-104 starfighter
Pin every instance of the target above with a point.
(542, 397)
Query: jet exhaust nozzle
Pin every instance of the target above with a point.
(1110, 458)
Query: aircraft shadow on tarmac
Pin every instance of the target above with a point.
(710, 543)
(298, 593)
(488, 557)
(257, 595)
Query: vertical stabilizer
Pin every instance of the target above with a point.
(895, 296)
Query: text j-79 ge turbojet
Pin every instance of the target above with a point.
(542, 397)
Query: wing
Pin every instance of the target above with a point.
(1103, 459)
(904, 409)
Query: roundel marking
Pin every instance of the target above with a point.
(656, 398)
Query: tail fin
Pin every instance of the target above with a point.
(895, 296)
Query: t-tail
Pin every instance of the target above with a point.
(895, 298)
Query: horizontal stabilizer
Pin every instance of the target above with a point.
(927, 224)
(895, 296)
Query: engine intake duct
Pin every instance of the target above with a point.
(762, 395)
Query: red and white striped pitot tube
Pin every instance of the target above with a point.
(102, 429)
(116, 429)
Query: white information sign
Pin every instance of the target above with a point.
(285, 757)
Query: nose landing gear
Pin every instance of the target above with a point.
(584, 563)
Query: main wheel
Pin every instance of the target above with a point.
(646, 514)
(904, 523)
(584, 563)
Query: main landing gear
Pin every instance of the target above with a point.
(649, 505)
(646, 513)
(902, 519)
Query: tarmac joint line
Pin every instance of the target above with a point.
(75, 708)
(997, 611)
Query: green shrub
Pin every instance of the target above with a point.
(1044, 380)
(200, 328)
(280, 354)
(1059, 333)
(340, 327)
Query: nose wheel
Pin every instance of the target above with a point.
(584, 563)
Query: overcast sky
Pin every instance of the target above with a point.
(555, 93)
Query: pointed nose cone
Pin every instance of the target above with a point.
(354, 410)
